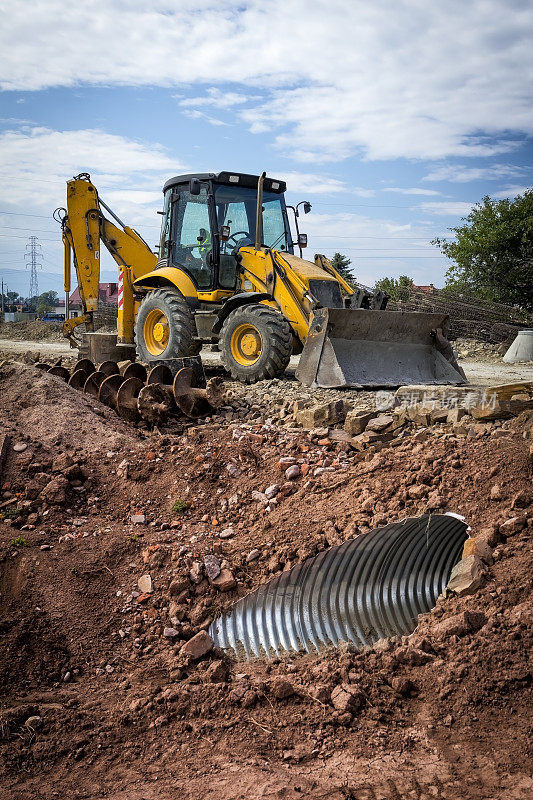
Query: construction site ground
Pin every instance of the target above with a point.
(104, 527)
(483, 367)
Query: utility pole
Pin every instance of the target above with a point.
(2, 296)
(33, 255)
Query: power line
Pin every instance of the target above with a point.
(37, 230)
(319, 236)
(25, 214)
(15, 236)
(395, 258)
(388, 205)
(323, 236)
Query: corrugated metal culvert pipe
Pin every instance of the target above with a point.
(365, 589)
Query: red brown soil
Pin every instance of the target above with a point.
(155, 725)
(35, 331)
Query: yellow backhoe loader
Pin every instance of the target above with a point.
(226, 273)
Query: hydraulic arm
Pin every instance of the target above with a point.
(84, 228)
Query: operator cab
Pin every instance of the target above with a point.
(207, 217)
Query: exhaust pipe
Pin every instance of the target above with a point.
(259, 213)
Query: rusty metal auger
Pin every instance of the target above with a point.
(134, 393)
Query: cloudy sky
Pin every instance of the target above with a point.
(393, 119)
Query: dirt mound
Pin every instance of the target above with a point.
(42, 408)
(472, 349)
(35, 331)
(142, 539)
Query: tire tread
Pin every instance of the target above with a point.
(182, 322)
(279, 342)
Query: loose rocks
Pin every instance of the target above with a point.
(467, 576)
(198, 646)
(145, 584)
(224, 581)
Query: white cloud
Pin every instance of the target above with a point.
(448, 208)
(215, 97)
(301, 182)
(361, 191)
(413, 190)
(510, 192)
(419, 80)
(195, 114)
(459, 173)
(37, 162)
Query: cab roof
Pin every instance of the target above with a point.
(229, 179)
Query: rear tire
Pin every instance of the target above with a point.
(256, 343)
(165, 327)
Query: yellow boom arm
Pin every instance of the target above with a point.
(287, 279)
(84, 227)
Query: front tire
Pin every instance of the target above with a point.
(256, 343)
(165, 327)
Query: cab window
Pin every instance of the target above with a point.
(275, 234)
(192, 238)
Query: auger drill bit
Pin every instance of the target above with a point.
(107, 394)
(86, 364)
(190, 399)
(135, 370)
(160, 374)
(127, 398)
(81, 372)
(109, 368)
(156, 401)
(60, 372)
(215, 391)
(93, 383)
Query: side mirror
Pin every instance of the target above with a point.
(224, 233)
(194, 186)
(302, 240)
(307, 207)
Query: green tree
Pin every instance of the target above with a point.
(493, 252)
(48, 298)
(398, 288)
(342, 265)
(11, 300)
(45, 303)
(43, 308)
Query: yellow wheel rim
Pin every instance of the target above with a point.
(156, 332)
(246, 344)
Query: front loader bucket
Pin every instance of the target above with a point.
(361, 348)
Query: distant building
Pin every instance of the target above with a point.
(107, 296)
(427, 289)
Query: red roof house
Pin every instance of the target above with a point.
(107, 296)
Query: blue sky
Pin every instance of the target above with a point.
(392, 119)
